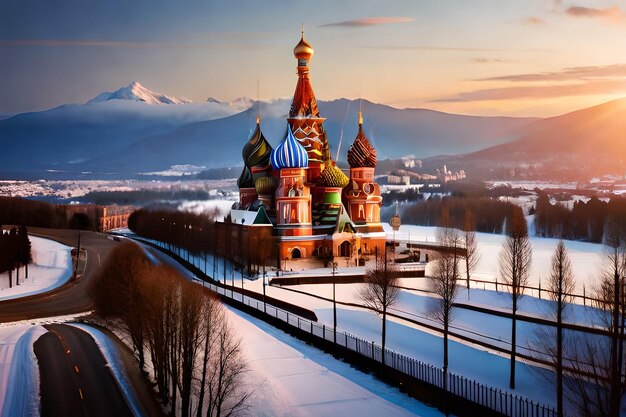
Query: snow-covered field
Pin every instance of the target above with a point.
(291, 378)
(19, 372)
(51, 268)
(471, 361)
(587, 258)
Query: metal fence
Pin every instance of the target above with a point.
(493, 398)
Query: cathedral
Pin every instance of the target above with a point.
(296, 194)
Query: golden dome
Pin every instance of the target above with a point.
(303, 49)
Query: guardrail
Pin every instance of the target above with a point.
(497, 400)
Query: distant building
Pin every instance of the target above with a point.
(101, 218)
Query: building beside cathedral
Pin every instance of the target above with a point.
(295, 199)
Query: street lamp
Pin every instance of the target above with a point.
(334, 264)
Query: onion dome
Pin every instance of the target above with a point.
(265, 185)
(362, 154)
(303, 49)
(245, 179)
(289, 153)
(256, 152)
(332, 176)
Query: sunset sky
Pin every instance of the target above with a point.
(485, 57)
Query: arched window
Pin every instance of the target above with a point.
(345, 249)
(296, 253)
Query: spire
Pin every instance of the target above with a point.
(362, 154)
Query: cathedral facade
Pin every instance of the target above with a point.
(296, 194)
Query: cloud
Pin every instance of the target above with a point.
(595, 87)
(371, 21)
(120, 44)
(613, 13)
(566, 74)
(485, 60)
(533, 21)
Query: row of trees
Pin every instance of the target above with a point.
(489, 214)
(589, 368)
(15, 210)
(15, 252)
(585, 221)
(180, 328)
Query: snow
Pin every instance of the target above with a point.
(295, 379)
(471, 361)
(19, 372)
(111, 355)
(587, 258)
(137, 92)
(51, 268)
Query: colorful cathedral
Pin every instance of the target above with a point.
(296, 194)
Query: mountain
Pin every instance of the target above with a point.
(68, 135)
(123, 132)
(587, 142)
(137, 92)
(394, 132)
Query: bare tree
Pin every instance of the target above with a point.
(472, 256)
(443, 283)
(226, 395)
(612, 303)
(561, 286)
(380, 291)
(515, 261)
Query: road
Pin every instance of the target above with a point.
(71, 297)
(75, 379)
(78, 383)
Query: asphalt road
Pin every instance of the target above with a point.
(75, 379)
(71, 297)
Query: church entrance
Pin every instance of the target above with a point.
(296, 253)
(345, 249)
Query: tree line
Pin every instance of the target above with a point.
(15, 252)
(177, 327)
(585, 221)
(589, 368)
(489, 214)
(194, 232)
(16, 210)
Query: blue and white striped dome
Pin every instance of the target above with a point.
(289, 153)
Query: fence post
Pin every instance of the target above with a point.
(540, 288)
(584, 296)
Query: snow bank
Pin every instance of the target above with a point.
(19, 371)
(51, 268)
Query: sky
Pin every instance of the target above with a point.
(481, 57)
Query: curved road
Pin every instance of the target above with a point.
(71, 297)
(75, 379)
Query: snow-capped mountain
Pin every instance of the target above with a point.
(137, 92)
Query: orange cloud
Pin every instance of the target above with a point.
(533, 21)
(596, 87)
(614, 13)
(566, 74)
(371, 21)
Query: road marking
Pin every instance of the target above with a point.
(99, 264)
(80, 391)
(76, 368)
